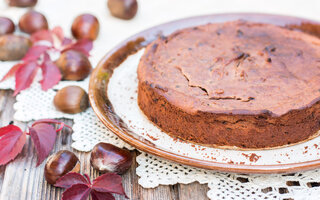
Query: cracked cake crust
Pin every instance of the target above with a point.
(237, 84)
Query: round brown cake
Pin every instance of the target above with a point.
(238, 83)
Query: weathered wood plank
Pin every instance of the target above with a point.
(15, 182)
(193, 191)
(5, 116)
(22, 180)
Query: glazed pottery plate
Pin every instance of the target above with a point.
(113, 96)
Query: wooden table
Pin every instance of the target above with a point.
(22, 180)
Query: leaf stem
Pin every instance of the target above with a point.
(88, 178)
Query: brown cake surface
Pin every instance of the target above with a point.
(233, 84)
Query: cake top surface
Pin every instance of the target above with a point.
(235, 67)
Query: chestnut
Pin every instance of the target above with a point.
(71, 99)
(123, 9)
(106, 157)
(6, 26)
(74, 65)
(32, 21)
(13, 47)
(22, 3)
(85, 26)
(60, 164)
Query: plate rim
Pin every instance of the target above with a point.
(193, 162)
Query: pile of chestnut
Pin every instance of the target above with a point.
(74, 65)
(104, 158)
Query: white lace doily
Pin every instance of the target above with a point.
(153, 171)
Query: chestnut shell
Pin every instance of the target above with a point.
(22, 3)
(123, 9)
(106, 157)
(71, 99)
(6, 26)
(60, 164)
(32, 21)
(74, 65)
(13, 47)
(85, 26)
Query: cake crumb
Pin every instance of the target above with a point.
(152, 138)
(252, 157)
(230, 162)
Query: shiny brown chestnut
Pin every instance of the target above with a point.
(85, 26)
(74, 65)
(6, 26)
(123, 9)
(106, 157)
(22, 3)
(13, 47)
(60, 164)
(32, 21)
(71, 99)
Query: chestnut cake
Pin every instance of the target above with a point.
(234, 84)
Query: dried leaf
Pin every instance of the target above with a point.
(12, 140)
(34, 53)
(42, 35)
(110, 182)
(83, 45)
(43, 136)
(77, 192)
(51, 74)
(70, 179)
(101, 195)
(25, 75)
(12, 71)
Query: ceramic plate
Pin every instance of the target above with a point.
(112, 93)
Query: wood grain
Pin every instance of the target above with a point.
(22, 180)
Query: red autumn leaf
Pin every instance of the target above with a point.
(70, 179)
(42, 35)
(83, 45)
(43, 137)
(34, 53)
(58, 32)
(52, 121)
(101, 195)
(88, 178)
(12, 71)
(66, 41)
(25, 75)
(77, 192)
(51, 74)
(109, 182)
(100, 189)
(26, 70)
(12, 140)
